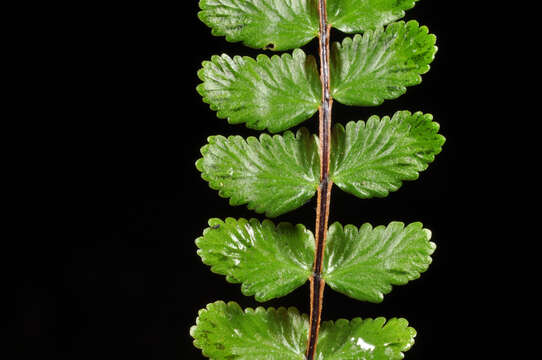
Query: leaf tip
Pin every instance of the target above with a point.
(428, 233)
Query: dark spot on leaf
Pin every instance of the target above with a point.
(215, 227)
(269, 46)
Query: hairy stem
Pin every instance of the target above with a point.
(317, 284)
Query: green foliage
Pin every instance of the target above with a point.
(267, 93)
(280, 173)
(277, 174)
(380, 64)
(365, 263)
(266, 24)
(225, 331)
(272, 175)
(353, 16)
(269, 260)
(373, 339)
(373, 158)
(286, 24)
(272, 261)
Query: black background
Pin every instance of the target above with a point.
(115, 274)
